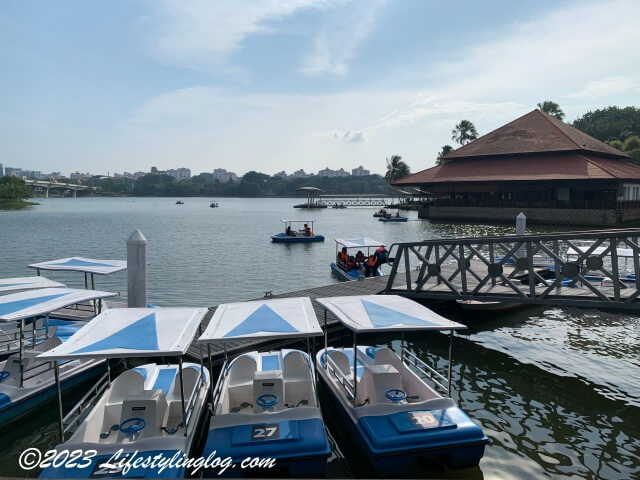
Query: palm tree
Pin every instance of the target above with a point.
(464, 132)
(445, 149)
(551, 108)
(396, 168)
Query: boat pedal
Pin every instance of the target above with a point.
(366, 402)
(304, 402)
(114, 428)
(172, 431)
(242, 405)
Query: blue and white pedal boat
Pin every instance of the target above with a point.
(292, 234)
(88, 266)
(150, 410)
(361, 244)
(265, 404)
(395, 415)
(25, 380)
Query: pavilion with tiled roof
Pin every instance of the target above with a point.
(537, 164)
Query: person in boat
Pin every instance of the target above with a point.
(360, 258)
(288, 231)
(342, 257)
(351, 263)
(370, 266)
(398, 214)
(307, 230)
(382, 254)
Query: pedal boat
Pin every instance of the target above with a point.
(354, 244)
(150, 410)
(265, 404)
(25, 380)
(88, 266)
(393, 413)
(294, 235)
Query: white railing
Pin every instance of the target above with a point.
(340, 376)
(76, 414)
(427, 370)
(193, 397)
(217, 391)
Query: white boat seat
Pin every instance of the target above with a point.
(48, 344)
(189, 377)
(376, 381)
(298, 379)
(386, 356)
(240, 385)
(342, 362)
(129, 381)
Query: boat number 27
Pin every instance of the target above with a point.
(265, 431)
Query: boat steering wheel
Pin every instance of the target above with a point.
(395, 394)
(267, 400)
(4, 375)
(136, 424)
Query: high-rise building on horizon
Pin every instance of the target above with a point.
(223, 176)
(360, 172)
(1, 170)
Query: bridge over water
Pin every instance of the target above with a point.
(46, 185)
(586, 269)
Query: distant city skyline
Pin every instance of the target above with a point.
(277, 85)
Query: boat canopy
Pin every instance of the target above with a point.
(359, 242)
(297, 221)
(263, 319)
(32, 303)
(376, 313)
(81, 264)
(26, 283)
(132, 332)
(621, 252)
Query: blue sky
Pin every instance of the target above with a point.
(274, 85)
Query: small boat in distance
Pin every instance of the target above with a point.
(336, 205)
(179, 202)
(213, 205)
(292, 235)
(393, 413)
(380, 213)
(393, 218)
(348, 266)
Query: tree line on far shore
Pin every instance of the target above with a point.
(252, 184)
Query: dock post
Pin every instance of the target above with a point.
(137, 270)
(521, 226)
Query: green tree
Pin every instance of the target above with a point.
(14, 188)
(464, 132)
(445, 149)
(396, 168)
(551, 108)
(611, 123)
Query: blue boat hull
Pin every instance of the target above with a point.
(393, 219)
(350, 275)
(284, 238)
(301, 449)
(392, 443)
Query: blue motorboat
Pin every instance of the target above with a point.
(394, 415)
(265, 404)
(387, 217)
(148, 412)
(354, 268)
(293, 234)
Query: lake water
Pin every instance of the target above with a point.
(556, 390)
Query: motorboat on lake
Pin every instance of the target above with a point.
(153, 409)
(380, 213)
(393, 218)
(265, 404)
(393, 413)
(213, 205)
(179, 202)
(292, 234)
(26, 380)
(366, 262)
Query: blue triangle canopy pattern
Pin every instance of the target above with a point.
(141, 335)
(17, 305)
(385, 317)
(81, 263)
(13, 284)
(264, 319)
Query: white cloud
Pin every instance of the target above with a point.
(200, 34)
(338, 42)
(608, 86)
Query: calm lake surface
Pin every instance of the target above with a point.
(556, 390)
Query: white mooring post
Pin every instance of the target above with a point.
(521, 226)
(137, 270)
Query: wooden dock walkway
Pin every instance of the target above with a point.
(368, 286)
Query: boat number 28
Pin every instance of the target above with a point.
(265, 431)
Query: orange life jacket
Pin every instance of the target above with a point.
(372, 261)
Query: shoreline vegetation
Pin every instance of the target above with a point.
(13, 194)
(6, 204)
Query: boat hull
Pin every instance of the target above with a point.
(393, 219)
(284, 238)
(350, 275)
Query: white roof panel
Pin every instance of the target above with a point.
(26, 283)
(81, 264)
(132, 332)
(621, 252)
(378, 313)
(359, 242)
(263, 319)
(32, 303)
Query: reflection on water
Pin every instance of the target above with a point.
(556, 390)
